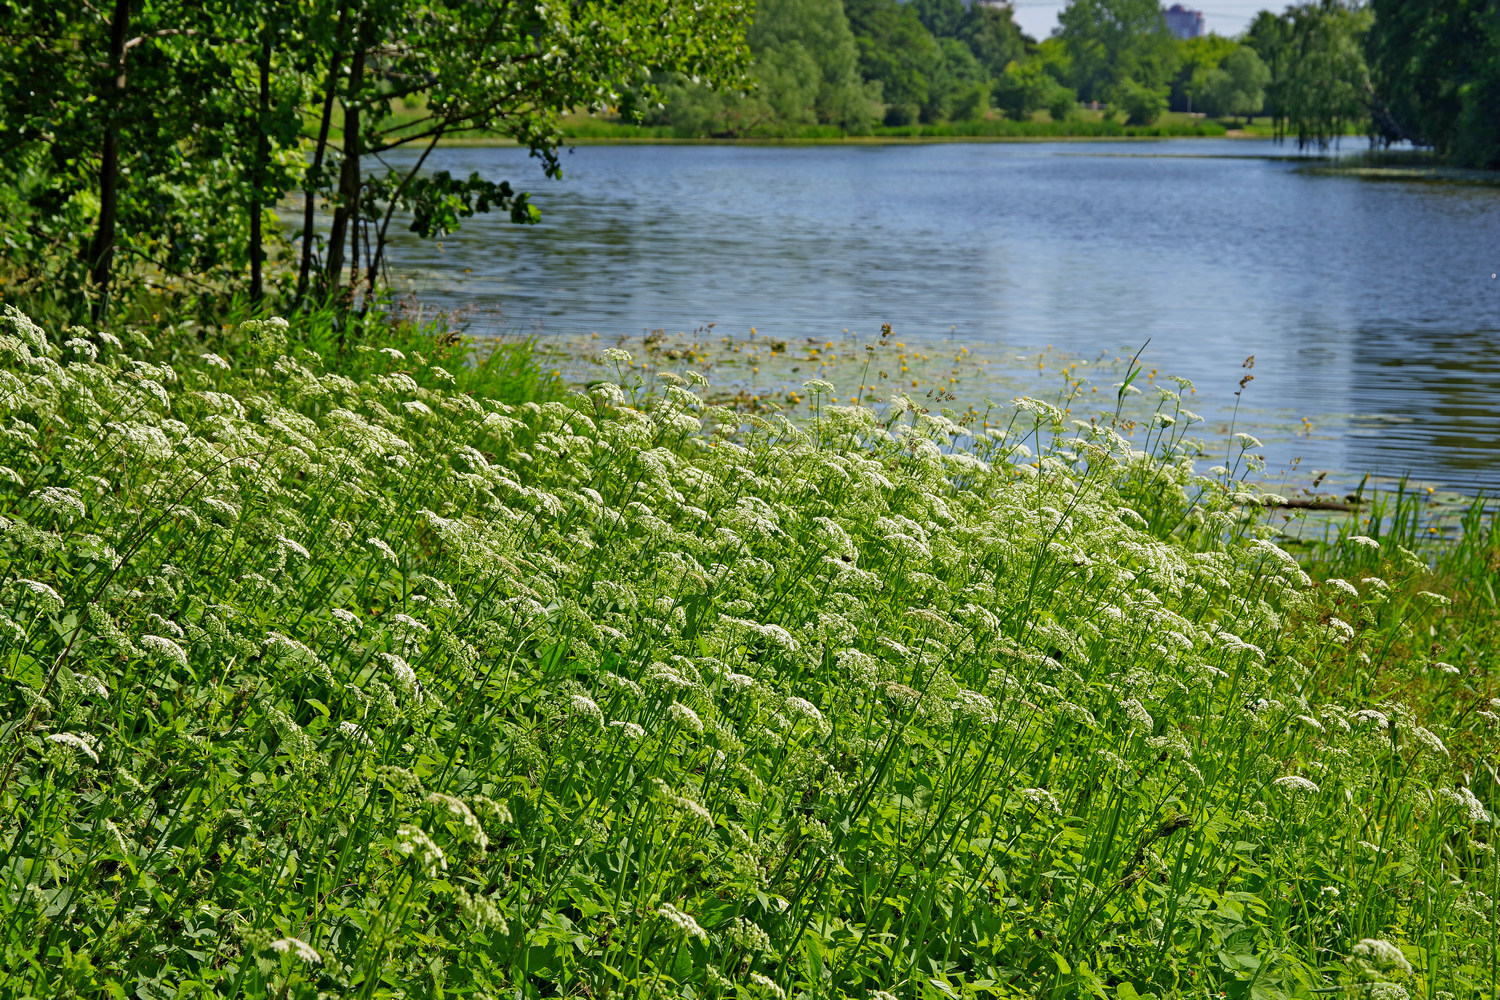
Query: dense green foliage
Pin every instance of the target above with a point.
(146, 141)
(1437, 72)
(1427, 72)
(806, 65)
(1113, 42)
(1238, 85)
(1319, 78)
(344, 682)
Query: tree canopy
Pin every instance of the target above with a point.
(160, 132)
(1436, 73)
(1319, 81)
(805, 71)
(1112, 41)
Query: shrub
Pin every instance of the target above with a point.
(1142, 105)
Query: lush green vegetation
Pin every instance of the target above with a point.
(1436, 69)
(147, 141)
(342, 658)
(1424, 72)
(867, 63)
(332, 679)
(1074, 126)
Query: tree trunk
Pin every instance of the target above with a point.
(350, 175)
(309, 189)
(102, 248)
(258, 174)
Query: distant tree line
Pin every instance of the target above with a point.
(1426, 71)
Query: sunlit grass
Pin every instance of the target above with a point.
(327, 677)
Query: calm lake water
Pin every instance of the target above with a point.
(1371, 307)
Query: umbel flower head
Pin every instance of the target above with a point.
(681, 923)
(412, 841)
(298, 949)
(1294, 784)
(1381, 954)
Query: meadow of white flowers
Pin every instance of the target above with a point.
(317, 686)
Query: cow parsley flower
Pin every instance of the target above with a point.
(383, 549)
(298, 949)
(766, 986)
(354, 733)
(1295, 784)
(630, 730)
(742, 933)
(681, 923)
(685, 717)
(975, 706)
(82, 743)
(413, 842)
(61, 501)
(459, 811)
(165, 649)
(481, 910)
(1429, 741)
(802, 708)
(778, 636)
(49, 600)
(1340, 630)
(406, 677)
(1137, 714)
(288, 545)
(1043, 799)
(584, 707)
(407, 625)
(1382, 954)
(1344, 586)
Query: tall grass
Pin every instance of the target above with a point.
(346, 682)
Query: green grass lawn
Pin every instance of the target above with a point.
(338, 676)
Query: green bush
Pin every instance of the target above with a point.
(1142, 105)
(1061, 103)
(901, 115)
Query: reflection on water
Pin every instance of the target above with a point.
(1370, 307)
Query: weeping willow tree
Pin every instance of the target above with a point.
(1319, 81)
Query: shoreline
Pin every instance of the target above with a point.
(851, 140)
(1329, 166)
(1434, 174)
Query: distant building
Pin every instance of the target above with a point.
(1184, 22)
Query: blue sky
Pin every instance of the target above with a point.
(1226, 17)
